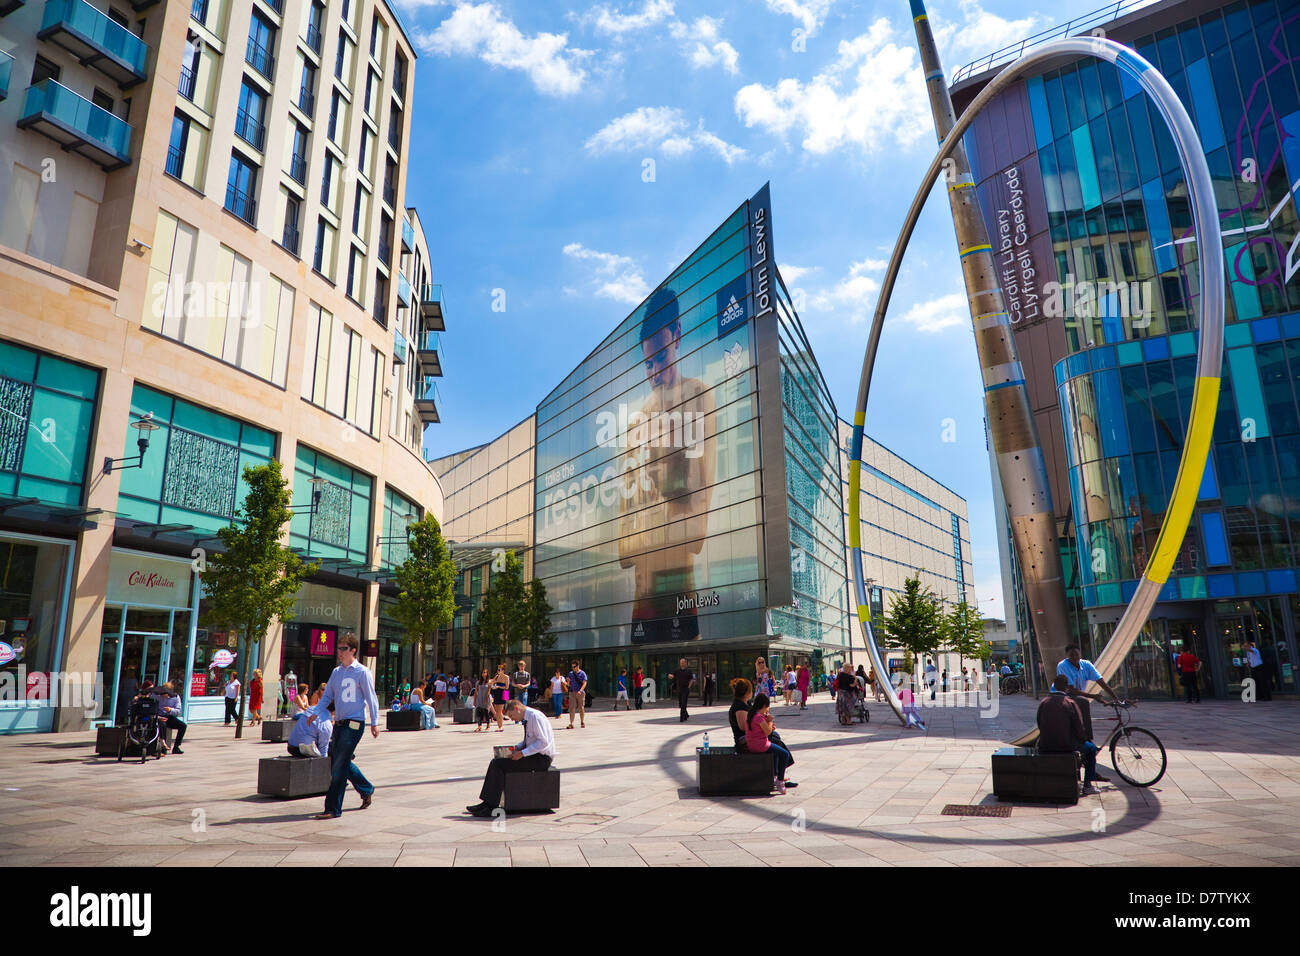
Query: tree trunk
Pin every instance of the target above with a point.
(243, 689)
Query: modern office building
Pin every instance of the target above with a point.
(912, 526)
(207, 263)
(681, 492)
(1087, 209)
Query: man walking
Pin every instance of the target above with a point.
(577, 694)
(519, 685)
(352, 693)
(1060, 731)
(620, 690)
(931, 676)
(684, 679)
(1079, 672)
(1260, 672)
(637, 680)
(535, 753)
(1189, 665)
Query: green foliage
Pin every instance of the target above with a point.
(504, 620)
(913, 621)
(539, 617)
(964, 632)
(427, 579)
(255, 579)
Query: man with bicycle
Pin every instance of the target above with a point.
(1079, 673)
(1060, 731)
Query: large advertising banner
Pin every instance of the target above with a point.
(647, 512)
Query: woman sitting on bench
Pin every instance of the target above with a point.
(761, 737)
(738, 716)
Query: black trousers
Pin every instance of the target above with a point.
(232, 709)
(1263, 682)
(1190, 687)
(494, 782)
(708, 695)
(682, 698)
(636, 692)
(175, 723)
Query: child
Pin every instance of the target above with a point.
(910, 712)
(757, 739)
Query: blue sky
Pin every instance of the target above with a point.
(531, 127)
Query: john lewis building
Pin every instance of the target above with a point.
(1083, 195)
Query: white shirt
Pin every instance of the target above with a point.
(557, 685)
(539, 738)
(440, 687)
(1253, 657)
(232, 688)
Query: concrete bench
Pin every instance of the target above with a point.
(293, 776)
(1022, 773)
(403, 720)
(109, 741)
(723, 771)
(534, 790)
(277, 731)
(463, 715)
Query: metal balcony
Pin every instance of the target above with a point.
(6, 68)
(175, 162)
(403, 291)
(408, 236)
(399, 347)
(298, 168)
(241, 204)
(427, 401)
(249, 129)
(260, 58)
(95, 40)
(431, 308)
(199, 11)
(187, 83)
(306, 101)
(77, 124)
(313, 38)
(427, 346)
(385, 250)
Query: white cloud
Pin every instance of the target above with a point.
(615, 277)
(868, 265)
(938, 314)
(702, 43)
(980, 32)
(810, 13)
(607, 21)
(872, 97)
(854, 295)
(479, 29)
(792, 274)
(663, 128)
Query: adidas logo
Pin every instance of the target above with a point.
(733, 312)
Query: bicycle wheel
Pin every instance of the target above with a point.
(1138, 756)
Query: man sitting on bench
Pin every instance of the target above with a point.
(534, 754)
(1060, 731)
(308, 739)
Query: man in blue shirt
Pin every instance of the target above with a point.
(1079, 673)
(577, 694)
(352, 693)
(307, 735)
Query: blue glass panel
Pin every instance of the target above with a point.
(1251, 582)
(1291, 323)
(1244, 294)
(1209, 488)
(1130, 353)
(1130, 86)
(17, 363)
(1291, 144)
(1170, 591)
(1265, 330)
(1236, 335)
(1108, 594)
(1087, 164)
(1038, 109)
(1155, 349)
(1184, 343)
(1216, 543)
(1058, 370)
(1191, 588)
(1090, 596)
(1110, 413)
(1103, 357)
(1128, 589)
(1246, 389)
(1203, 105)
(1221, 585)
(1162, 239)
(1281, 582)
(1077, 364)
(206, 422)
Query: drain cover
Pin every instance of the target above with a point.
(968, 810)
(587, 818)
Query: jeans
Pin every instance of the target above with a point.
(1089, 754)
(427, 719)
(342, 770)
(781, 759)
(557, 703)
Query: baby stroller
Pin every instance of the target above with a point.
(142, 729)
(860, 709)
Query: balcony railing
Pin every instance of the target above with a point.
(408, 236)
(298, 168)
(385, 250)
(313, 38)
(259, 58)
(427, 399)
(276, 5)
(429, 348)
(292, 237)
(390, 194)
(77, 124)
(332, 128)
(403, 291)
(241, 204)
(186, 86)
(250, 130)
(6, 68)
(95, 39)
(175, 162)
(431, 307)
(306, 101)
(399, 347)
(199, 11)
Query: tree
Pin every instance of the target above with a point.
(913, 622)
(504, 618)
(964, 632)
(539, 617)
(255, 579)
(427, 579)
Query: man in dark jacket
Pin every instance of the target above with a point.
(1060, 730)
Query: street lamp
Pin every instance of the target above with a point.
(317, 483)
(144, 425)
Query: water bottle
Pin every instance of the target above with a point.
(706, 741)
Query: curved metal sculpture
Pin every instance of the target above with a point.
(1209, 352)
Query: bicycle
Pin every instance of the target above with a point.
(1011, 685)
(1136, 753)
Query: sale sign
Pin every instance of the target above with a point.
(198, 684)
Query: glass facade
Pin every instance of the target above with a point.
(1107, 236)
(399, 512)
(339, 524)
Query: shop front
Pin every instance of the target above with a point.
(320, 616)
(35, 582)
(148, 628)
